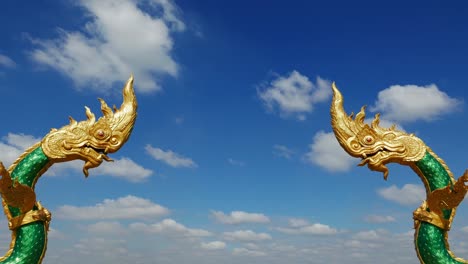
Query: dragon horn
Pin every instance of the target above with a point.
(341, 122)
(123, 118)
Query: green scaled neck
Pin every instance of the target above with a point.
(434, 173)
(28, 169)
(29, 242)
(431, 241)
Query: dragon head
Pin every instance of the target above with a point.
(92, 140)
(376, 146)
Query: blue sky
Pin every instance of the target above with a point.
(231, 159)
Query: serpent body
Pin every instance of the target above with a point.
(88, 140)
(377, 146)
(29, 242)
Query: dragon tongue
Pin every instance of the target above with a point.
(363, 162)
(106, 158)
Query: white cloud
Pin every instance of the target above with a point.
(123, 168)
(248, 252)
(214, 245)
(108, 247)
(13, 145)
(170, 158)
(128, 207)
(301, 228)
(367, 235)
(295, 95)
(379, 219)
(240, 217)
(236, 162)
(119, 38)
(297, 222)
(246, 235)
(55, 234)
(7, 62)
(170, 227)
(326, 152)
(282, 151)
(409, 194)
(106, 227)
(411, 102)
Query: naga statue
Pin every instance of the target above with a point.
(88, 140)
(377, 146)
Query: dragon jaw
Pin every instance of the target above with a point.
(376, 146)
(92, 140)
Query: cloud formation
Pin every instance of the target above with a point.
(128, 207)
(408, 103)
(246, 235)
(294, 95)
(170, 227)
(299, 226)
(409, 194)
(239, 217)
(170, 158)
(119, 38)
(326, 152)
(7, 62)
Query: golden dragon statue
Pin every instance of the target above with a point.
(88, 140)
(377, 146)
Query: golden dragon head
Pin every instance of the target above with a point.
(376, 146)
(92, 140)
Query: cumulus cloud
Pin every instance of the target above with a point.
(239, 217)
(282, 151)
(302, 227)
(406, 103)
(119, 38)
(236, 162)
(248, 252)
(128, 207)
(170, 227)
(246, 235)
(294, 95)
(214, 245)
(379, 219)
(297, 222)
(368, 235)
(326, 152)
(170, 158)
(123, 168)
(13, 145)
(409, 194)
(7, 62)
(106, 227)
(299, 226)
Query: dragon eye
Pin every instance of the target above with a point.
(100, 134)
(368, 139)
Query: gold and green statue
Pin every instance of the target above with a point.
(377, 146)
(90, 140)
